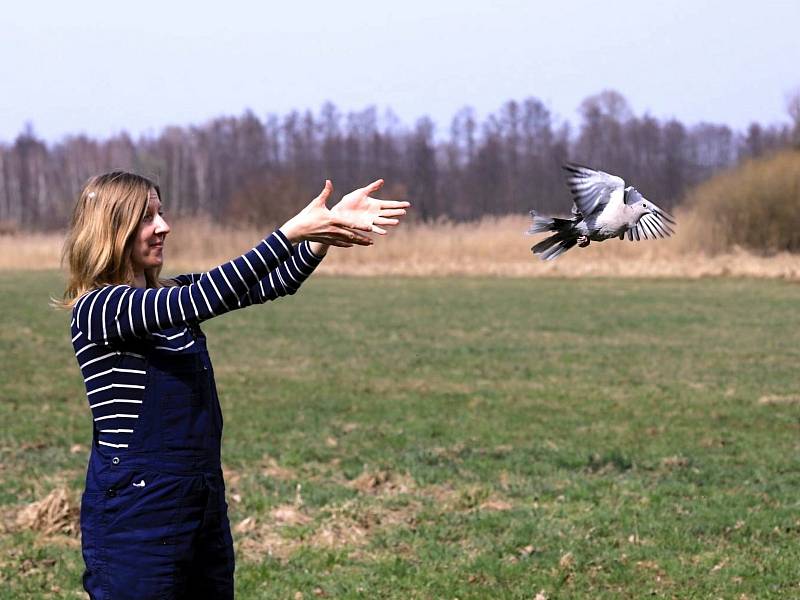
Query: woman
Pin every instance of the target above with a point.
(153, 514)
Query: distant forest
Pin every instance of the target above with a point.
(248, 169)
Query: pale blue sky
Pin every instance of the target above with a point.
(101, 67)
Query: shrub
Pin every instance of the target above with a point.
(755, 206)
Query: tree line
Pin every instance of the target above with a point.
(236, 169)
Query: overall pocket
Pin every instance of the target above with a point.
(185, 421)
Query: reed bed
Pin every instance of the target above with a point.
(490, 247)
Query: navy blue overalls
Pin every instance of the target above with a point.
(153, 517)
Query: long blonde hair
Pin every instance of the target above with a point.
(97, 249)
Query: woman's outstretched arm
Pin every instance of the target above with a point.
(121, 312)
(285, 280)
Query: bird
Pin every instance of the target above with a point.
(603, 208)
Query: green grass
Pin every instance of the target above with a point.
(615, 420)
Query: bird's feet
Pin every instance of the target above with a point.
(583, 241)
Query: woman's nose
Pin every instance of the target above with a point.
(161, 225)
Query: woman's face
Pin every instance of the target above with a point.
(148, 248)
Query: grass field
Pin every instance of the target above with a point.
(461, 438)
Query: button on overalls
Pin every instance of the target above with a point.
(153, 517)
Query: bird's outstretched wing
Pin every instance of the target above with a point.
(592, 189)
(657, 224)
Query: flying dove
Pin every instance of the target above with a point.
(604, 208)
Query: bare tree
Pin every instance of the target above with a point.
(423, 169)
(793, 108)
(261, 169)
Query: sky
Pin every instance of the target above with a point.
(98, 68)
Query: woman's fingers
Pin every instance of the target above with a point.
(386, 204)
(358, 213)
(398, 212)
(374, 186)
(322, 199)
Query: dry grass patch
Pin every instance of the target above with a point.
(58, 512)
(494, 246)
(30, 251)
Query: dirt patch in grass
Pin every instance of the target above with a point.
(383, 483)
(496, 504)
(386, 501)
(258, 538)
(674, 462)
(274, 470)
(8, 518)
(31, 567)
(773, 399)
(354, 523)
(266, 541)
(447, 498)
(339, 531)
(421, 386)
(350, 525)
(288, 514)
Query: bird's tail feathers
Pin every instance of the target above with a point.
(565, 236)
(541, 223)
(554, 246)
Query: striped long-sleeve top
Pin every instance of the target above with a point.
(114, 327)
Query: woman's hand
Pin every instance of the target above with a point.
(371, 213)
(316, 223)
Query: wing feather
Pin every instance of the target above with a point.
(648, 229)
(590, 188)
(652, 225)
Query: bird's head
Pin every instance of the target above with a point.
(638, 204)
(658, 221)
